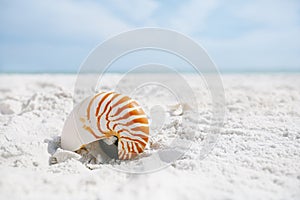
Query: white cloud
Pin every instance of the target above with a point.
(271, 13)
(192, 15)
(274, 43)
(257, 50)
(74, 19)
(136, 10)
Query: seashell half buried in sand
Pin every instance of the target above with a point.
(111, 117)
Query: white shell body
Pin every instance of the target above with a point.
(105, 115)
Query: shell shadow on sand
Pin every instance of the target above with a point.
(97, 152)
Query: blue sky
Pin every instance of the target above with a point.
(57, 35)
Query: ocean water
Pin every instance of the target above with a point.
(221, 71)
(135, 59)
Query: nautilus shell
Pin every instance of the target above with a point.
(106, 115)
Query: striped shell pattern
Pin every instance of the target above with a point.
(111, 114)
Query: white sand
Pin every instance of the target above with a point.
(257, 155)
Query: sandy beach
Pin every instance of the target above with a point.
(257, 154)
